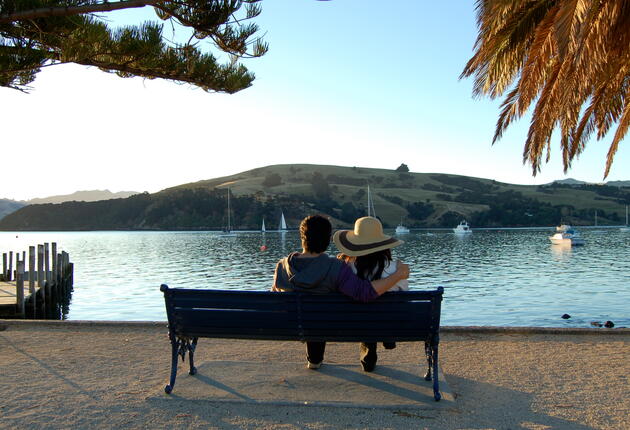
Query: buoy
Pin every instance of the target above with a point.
(609, 324)
(263, 248)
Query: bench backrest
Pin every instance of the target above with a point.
(395, 316)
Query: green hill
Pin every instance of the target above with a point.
(420, 199)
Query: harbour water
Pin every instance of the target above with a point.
(510, 277)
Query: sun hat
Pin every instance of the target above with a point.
(366, 238)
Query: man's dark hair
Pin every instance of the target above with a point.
(315, 231)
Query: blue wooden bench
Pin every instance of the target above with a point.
(394, 317)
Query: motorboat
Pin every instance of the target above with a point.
(569, 237)
(401, 229)
(462, 228)
(562, 228)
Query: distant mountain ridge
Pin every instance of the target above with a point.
(9, 206)
(571, 181)
(83, 196)
(340, 192)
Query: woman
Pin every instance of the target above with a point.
(368, 251)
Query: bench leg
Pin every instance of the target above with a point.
(174, 353)
(431, 352)
(191, 348)
(427, 352)
(436, 385)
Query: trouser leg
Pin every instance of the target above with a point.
(368, 356)
(315, 352)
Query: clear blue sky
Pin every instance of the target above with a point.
(346, 82)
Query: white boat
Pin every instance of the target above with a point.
(462, 228)
(283, 224)
(263, 229)
(569, 237)
(401, 229)
(626, 228)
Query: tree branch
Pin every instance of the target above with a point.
(46, 12)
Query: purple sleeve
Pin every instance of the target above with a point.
(351, 285)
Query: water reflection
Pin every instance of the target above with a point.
(507, 277)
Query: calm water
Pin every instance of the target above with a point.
(495, 278)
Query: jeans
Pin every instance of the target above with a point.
(367, 353)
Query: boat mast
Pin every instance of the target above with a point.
(370, 206)
(229, 227)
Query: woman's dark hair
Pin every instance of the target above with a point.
(370, 267)
(315, 231)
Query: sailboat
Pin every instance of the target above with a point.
(370, 204)
(263, 229)
(227, 231)
(283, 224)
(626, 228)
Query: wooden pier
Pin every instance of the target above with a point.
(42, 291)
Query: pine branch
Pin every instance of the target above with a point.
(46, 12)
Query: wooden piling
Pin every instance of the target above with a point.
(19, 283)
(4, 266)
(10, 272)
(54, 262)
(31, 277)
(40, 272)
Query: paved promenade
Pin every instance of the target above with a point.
(61, 375)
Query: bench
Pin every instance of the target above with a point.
(404, 316)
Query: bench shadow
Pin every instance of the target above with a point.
(499, 408)
(478, 405)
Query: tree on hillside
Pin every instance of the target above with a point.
(569, 57)
(42, 33)
(402, 168)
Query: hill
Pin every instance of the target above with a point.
(9, 206)
(420, 199)
(83, 196)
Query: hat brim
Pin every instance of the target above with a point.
(343, 240)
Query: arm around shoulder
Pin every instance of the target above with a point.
(383, 285)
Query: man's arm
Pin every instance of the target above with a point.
(364, 291)
(384, 284)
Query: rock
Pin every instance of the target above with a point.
(596, 324)
(566, 316)
(609, 324)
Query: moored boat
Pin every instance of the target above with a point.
(462, 228)
(401, 229)
(567, 236)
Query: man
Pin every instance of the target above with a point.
(314, 271)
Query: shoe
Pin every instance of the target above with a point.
(368, 367)
(313, 366)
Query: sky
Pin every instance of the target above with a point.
(346, 82)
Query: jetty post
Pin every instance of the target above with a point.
(10, 273)
(40, 274)
(19, 283)
(31, 276)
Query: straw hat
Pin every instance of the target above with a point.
(366, 238)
